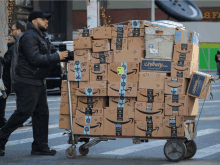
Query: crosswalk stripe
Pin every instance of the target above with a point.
(139, 147)
(10, 102)
(201, 153)
(214, 101)
(29, 129)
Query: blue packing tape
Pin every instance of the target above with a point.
(77, 68)
(89, 91)
(123, 82)
(86, 130)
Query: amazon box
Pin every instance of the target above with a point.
(102, 33)
(93, 84)
(91, 102)
(185, 37)
(199, 85)
(173, 126)
(128, 55)
(131, 70)
(85, 33)
(98, 72)
(64, 121)
(119, 121)
(174, 85)
(64, 98)
(78, 71)
(183, 69)
(102, 57)
(151, 129)
(122, 101)
(136, 43)
(136, 24)
(119, 44)
(91, 91)
(128, 89)
(153, 110)
(120, 31)
(64, 109)
(73, 86)
(186, 52)
(82, 55)
(89, 111)
(151, 80)
(181, 105)
(150, 95)
(136, 32)
(101, 45)
(82, 43)
(88, 125)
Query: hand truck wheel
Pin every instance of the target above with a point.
(174, 150)
(71, 152)
(83, 151)
(191, 149)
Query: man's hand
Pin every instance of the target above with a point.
(63, 54)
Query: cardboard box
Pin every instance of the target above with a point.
(174, 85)
(199, 85)
(64, 121)
(131, 70)
(64, 109)
(89, 111)
(183, 69)
(91, 102)
(98, 72)
(82, 55)
(82, 43)
(173, 126)
(136, 24)
(93, 84)
(181, 105)
(136, 32)
(85, 33)
(100, 45)
(130, 90)
(128, 55)
(64, 98)
(102, 57)
(80, 126)
(150, 95)
(190, 127)
(142, 128)
(185, 36)
(102, 33)
(188, 52)
(159, 42)
(73, 86)
(78, 71)
(119, 44)
(154, 110)
(151, 80)
(119, 122)
(91, 91)
(120, 31)
(136, 43)
(122, 101)
(152, 65)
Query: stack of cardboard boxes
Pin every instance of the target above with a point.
(132, 80)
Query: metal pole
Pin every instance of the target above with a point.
(209, 56)
(98, 13)
(152, 10)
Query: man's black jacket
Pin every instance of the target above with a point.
(35, 55)
(6, 61)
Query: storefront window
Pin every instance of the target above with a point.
(23, 2)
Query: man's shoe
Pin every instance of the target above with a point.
(46, 151)
(2, 152)
(29, 124)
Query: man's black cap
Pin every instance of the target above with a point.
(38, 14)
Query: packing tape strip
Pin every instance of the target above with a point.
(123, 81)
(86, 130)
(77, 68)
(89, 91)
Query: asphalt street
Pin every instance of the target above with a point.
(120, 151)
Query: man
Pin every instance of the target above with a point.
(35, 54)
(17, 29)
(217, 60)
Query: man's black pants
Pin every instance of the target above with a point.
(30, 100)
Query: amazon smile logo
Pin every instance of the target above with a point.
(156, 129)
(99, 124)
(96, 111)
(134, 71)
(150, 113)
(129, 88)
(114, 122)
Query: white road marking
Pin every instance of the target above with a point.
(201, 153)
(140, 147)
(47, 101)
(214, 101)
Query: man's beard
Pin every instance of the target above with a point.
(42, 29)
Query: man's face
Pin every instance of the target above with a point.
(42, 24)
(15, 31)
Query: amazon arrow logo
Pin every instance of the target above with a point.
(150, 113)
(134, 71)
(182, 104)
(78, 70)
(98, 91)
(130, 120)
(176, 127)
(98, 73)
(156, 128)
(181, 69)
(95, 102)
(98, 124)
(96, 111)
(156, 95)
(118, 102)
(174, 87)
(129, 88)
